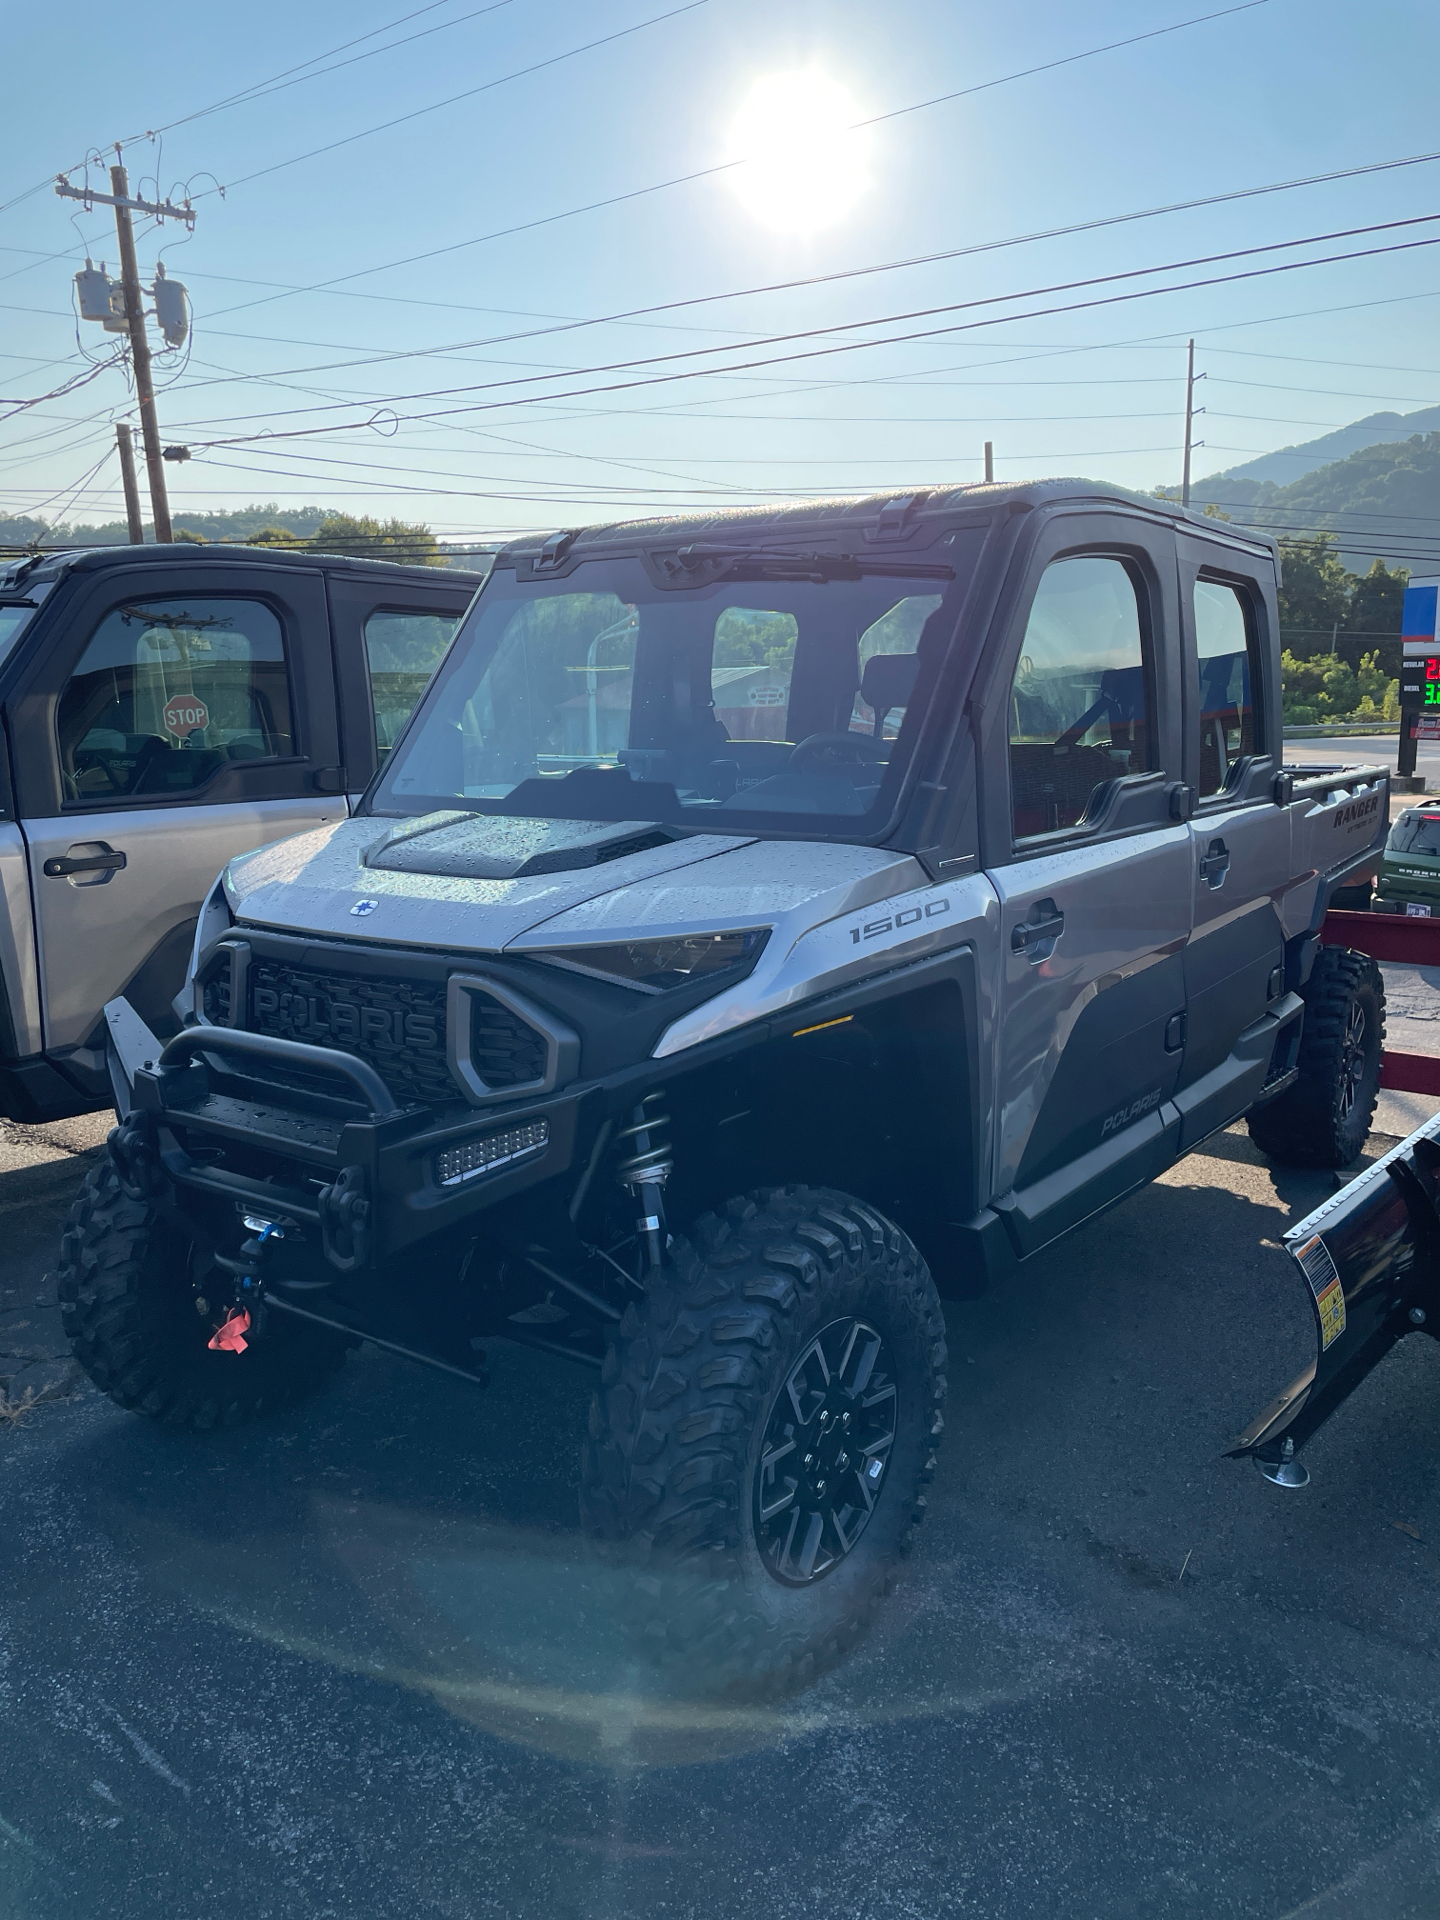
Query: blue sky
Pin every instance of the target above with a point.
(1278, 90)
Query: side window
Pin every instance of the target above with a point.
(1229, 679)
(167, 693)
(402, 650)
(1080, 702)
(750, 670)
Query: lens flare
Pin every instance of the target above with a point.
(805, 160)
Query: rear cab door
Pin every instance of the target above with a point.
(1081, 756)
(180, 714)
(1241, 842)
(391, 630)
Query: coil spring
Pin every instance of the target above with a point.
(649, 1160)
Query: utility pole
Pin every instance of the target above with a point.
(989, 462)
(127, 480)
(1189, 425)
(140, 356)
(134, 319)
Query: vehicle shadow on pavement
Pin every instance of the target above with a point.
(1119, 1669)
(411, 1528)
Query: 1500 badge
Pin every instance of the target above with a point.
(909, 917)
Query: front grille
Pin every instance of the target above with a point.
(398, 1026)
(496, 1150)
(504, 1050)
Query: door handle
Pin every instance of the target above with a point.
(65, 865)
(1036, 938)
(1215, 864)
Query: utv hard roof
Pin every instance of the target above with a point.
(48, 565)
(894, 517)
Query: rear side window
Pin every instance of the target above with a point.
(1225, 642)
(402, 650)
(750, 672)
(1080, 701)
(167, 693)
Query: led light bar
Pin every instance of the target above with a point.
(496, 1150)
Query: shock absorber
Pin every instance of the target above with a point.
(645, 1168)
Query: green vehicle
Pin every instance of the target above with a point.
(1410, 868)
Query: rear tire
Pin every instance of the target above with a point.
(127, 1302)
(1323, 1120)
(712, 1391)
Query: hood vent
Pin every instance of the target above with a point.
(495, 847)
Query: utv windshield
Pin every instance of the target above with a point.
(603, 696)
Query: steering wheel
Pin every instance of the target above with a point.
(838, 753)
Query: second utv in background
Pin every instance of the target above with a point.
(161, 709)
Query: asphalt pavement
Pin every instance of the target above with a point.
(354, 1662)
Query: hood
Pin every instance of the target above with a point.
(472, 882)
(469, 883)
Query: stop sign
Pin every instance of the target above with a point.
(184, 713)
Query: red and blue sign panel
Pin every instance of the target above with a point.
(1417, 617)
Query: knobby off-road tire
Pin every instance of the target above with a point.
(1324, 1119)
(128, 1308)
(693, 1394)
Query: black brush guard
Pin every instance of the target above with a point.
(362, 1169)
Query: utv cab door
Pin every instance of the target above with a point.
(1240, 840)
(390, 635)
(1093, 874)
(185, 717)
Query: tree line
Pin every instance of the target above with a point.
(1339, 635)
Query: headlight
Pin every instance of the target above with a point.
(653, 966)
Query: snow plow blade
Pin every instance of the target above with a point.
(1370, 1262)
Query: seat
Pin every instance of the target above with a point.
(886, 683)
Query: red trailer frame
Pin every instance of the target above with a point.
(1413, 940)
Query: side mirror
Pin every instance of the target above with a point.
(1182, 800)
(1283, 791)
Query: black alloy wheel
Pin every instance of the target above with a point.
(762, 1438)
(1353, 1060)
(823, 1458)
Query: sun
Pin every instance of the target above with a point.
(804, 157)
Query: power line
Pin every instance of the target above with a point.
(727, 166)
(469, 93)
(58, 393)
(631, 315)
(282, 81)
(246, 94)
(851, 346)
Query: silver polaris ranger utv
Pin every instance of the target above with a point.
(762, 926)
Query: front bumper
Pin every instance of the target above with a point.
(289, 1129)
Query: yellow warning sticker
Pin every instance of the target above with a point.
(1331, 1304)
(1319, 1269)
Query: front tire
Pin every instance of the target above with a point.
(127, 1303)
(764, 1431)
(1323, 1120)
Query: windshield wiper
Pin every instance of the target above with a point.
(705, 561)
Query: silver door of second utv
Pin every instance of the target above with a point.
(182, 719)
